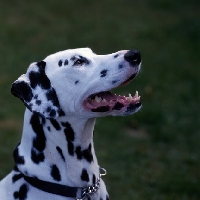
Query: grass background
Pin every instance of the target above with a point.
(154, 154)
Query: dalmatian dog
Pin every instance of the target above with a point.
(64, 93)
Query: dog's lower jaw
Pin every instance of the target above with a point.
(67, 149)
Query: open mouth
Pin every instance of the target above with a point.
(107, 101)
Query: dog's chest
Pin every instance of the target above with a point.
(65, 162)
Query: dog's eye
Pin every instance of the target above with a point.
(79, 62)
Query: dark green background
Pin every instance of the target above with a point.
(154, 154)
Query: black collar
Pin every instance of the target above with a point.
(64, 190)
(53, 188)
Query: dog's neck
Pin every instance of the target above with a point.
(59, 150)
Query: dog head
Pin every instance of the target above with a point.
(78, 82)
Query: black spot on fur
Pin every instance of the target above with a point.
(36, 156)
(104, 72)
(84, 175)
(70, 148)
(60, 63)
(69, 134)
(66, 62)
(22, 193)
(36, 96)
(38, 102)
(76, 82)
(116, 55)
(107, 197)
(87, 154)
(94, 179)
(79, 152)
(115, 81)
(52, 112)
(49, 128)
(39, 142)
(60, 152)
(52, 96)
(48, 109)
(55, 173)
(55, 124)
(118, 106)
(41, 64)
(62, 113)
(19, 160)
(39, 78)
(16, 195)
(22, 90)
(101, 109)
(84, 154)
(16, 177)
(121, 66)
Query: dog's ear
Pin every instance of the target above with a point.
(35, 90)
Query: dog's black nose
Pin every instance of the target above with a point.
(133, 57)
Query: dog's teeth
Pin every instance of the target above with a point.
(97, 99)
(136, 94)
(111, 102)
(129, 98)
(104, 100)
(137, 98)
